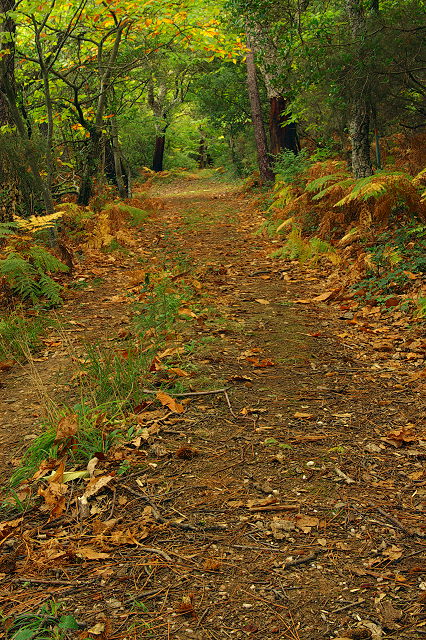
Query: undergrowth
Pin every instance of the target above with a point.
(20, 336)
(395, 260)
(49, 622)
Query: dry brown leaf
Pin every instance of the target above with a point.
(54, 499)
(324, 296)
(262, 301)
(179, 372)
(96, 484)
(67, 427)
(123, 537)
(400, 437)
(6, 365)
(305, 523)
(306, 416)
(7, 528)
(187, 312)
(171, 403)
(88, 553)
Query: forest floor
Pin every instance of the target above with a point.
(289, 506)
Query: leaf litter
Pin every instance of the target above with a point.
(315, 532)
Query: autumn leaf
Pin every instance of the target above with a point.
(6, 528)
(54, 499)
(88, 553)
(95, 485)
(400, 437)
(67, 427)
(171, 403)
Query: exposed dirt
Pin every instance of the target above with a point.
(281, 514)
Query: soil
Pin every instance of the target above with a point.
(289, 506)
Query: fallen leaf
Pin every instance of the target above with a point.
(307, 416)
(67, 427)
(179, 372)
(7, 527)
(6, 365)
(96, 484)
(305, 523)
(171, 403)
(324, 296)
(187, 312)
(54, 499)
(88, 553)
(262, 301)
(399, 437)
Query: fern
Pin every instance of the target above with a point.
(318, 183)
(7, 229)
(21, 276)
(27, 277)
(49, 289)
(45, 261)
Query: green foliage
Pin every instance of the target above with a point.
(47, 623)
(89, 439)
(159, 311)
(20, 336)
(27, 275)
(394, 258)
(7, 229)
(289, 167)
(296, 247)
(116, 379)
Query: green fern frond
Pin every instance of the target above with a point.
(45, 261)
(342, 184)
(7, 229)
(49, 289)
(20, 275)
(319, 183)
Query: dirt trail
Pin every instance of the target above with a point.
(291, 517)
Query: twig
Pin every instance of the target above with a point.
(348, 606)
(159, 552)
(304, 560)
(65, 583)
(229, 404)
(114, 493)
(184, 395)
(345, 477)
(399, 524)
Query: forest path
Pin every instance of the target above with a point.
(285, 513)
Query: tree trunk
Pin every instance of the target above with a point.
(359, 125)
(8, 184)
(266, 173)
(120, 174)
(282, 135)
(359, 131)
(160, 143)
(91, 167)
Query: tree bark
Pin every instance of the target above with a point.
(91, 166)
(94, 147)
(282, 135)
(160, 144)
(359, 124)
(266, 173)
(121, 178)
(8, 183)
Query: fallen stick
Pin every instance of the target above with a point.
(182, 395)
(304, 560)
